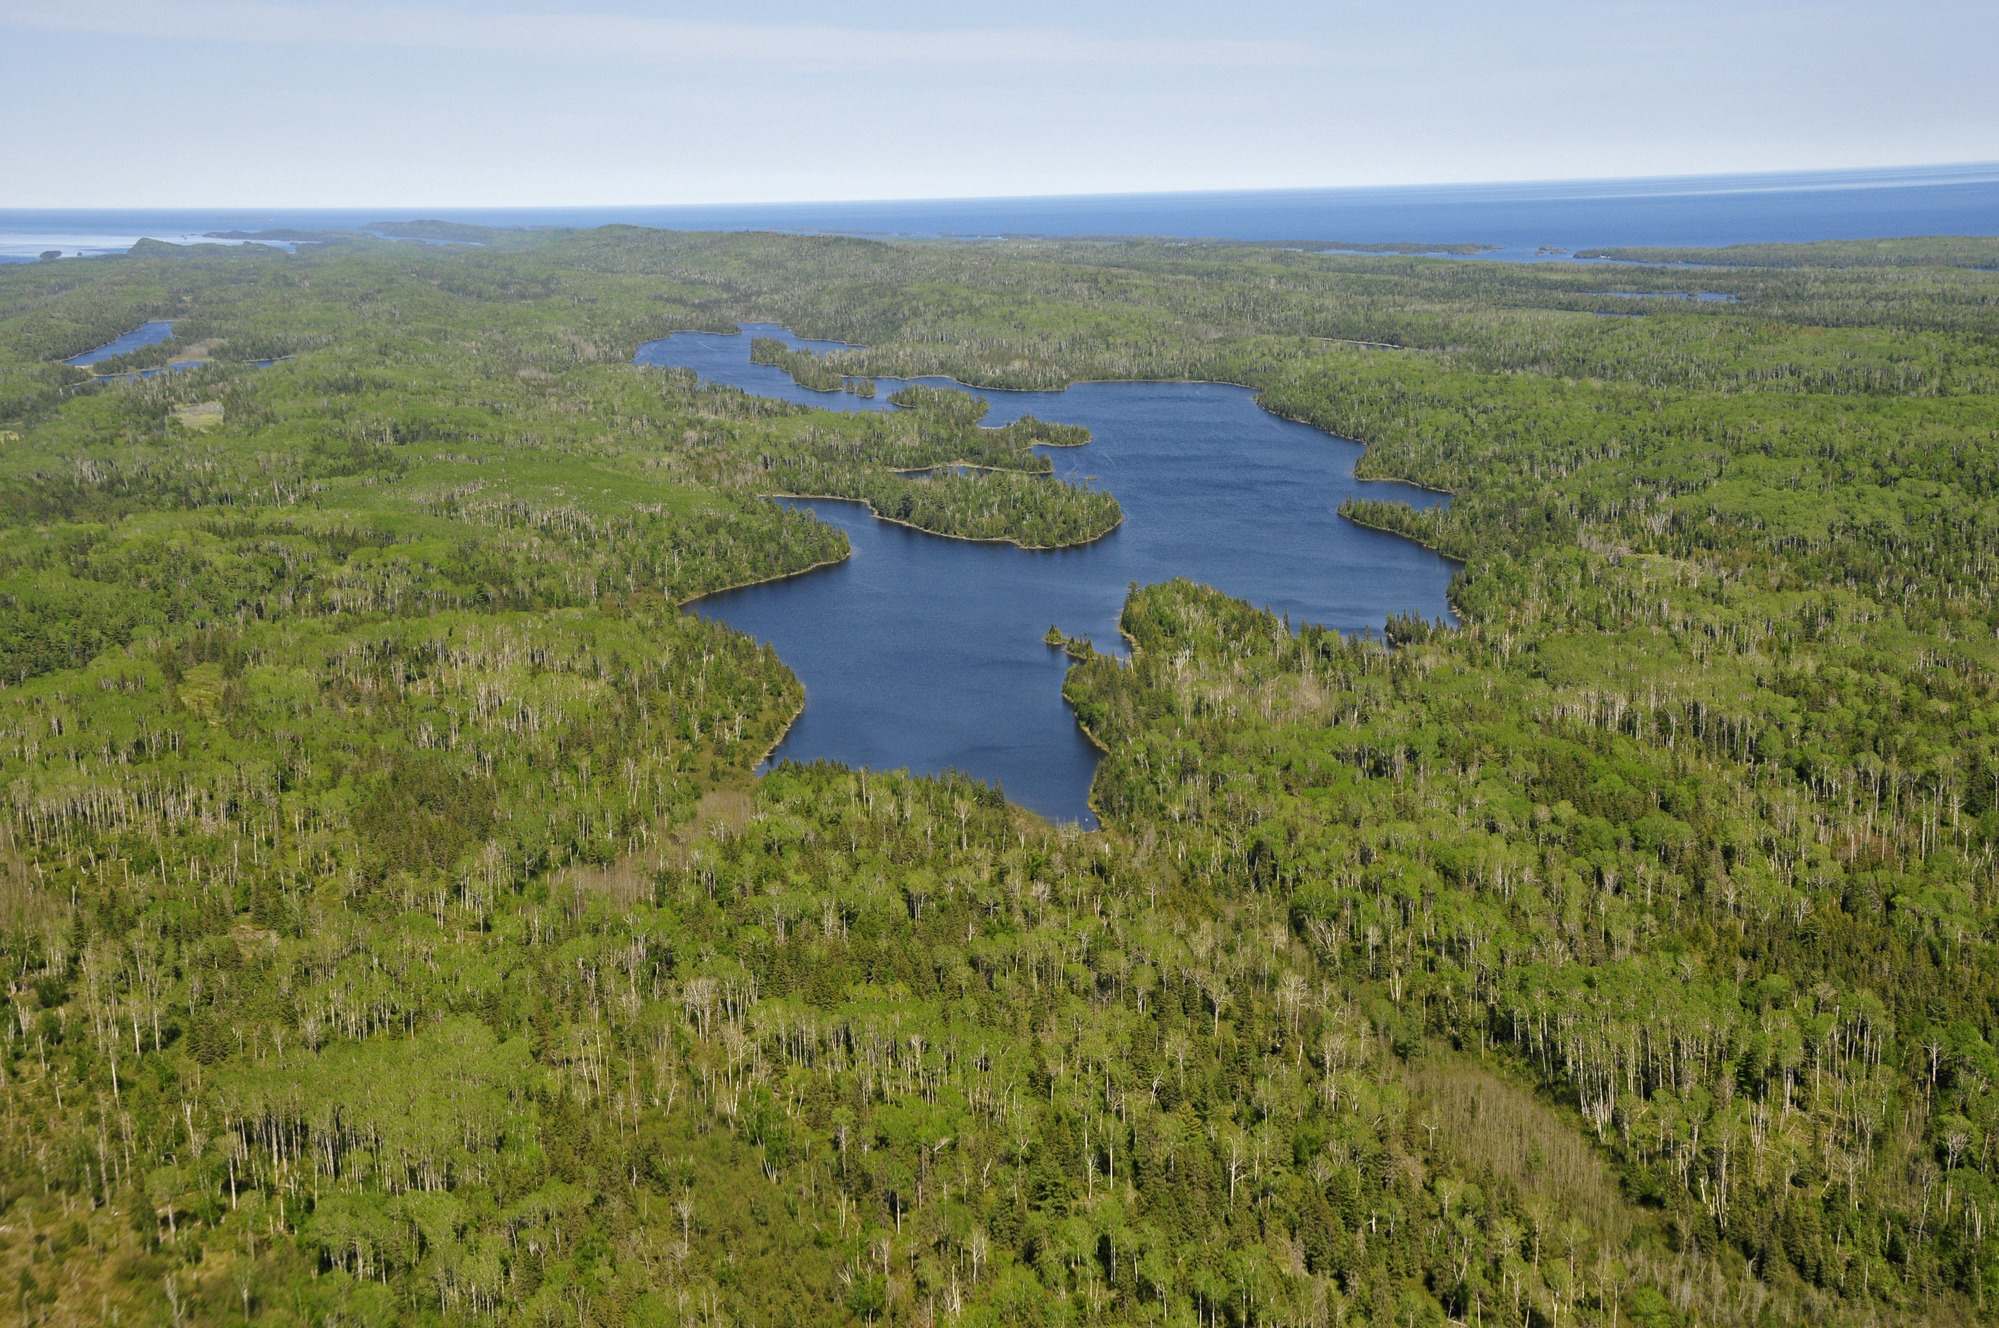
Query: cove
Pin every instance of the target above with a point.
(926, 652)
(146, 334)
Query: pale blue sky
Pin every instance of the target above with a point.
(132, 103)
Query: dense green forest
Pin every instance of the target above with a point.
(807, 369)
(393, 931)
(1923, 251)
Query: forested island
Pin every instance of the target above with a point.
(394, 933)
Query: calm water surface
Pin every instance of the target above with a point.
(925, 652)
(1524, 219)
(146, 334)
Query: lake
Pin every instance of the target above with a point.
(146, 334)
(926, 652)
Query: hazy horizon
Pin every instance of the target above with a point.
(1891, 175)
(543, 103)
(1516, 220)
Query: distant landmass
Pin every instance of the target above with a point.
(1524, 221)
(434, 232)
(1977, 251)
(284, 235)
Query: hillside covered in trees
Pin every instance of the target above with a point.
(393, 931)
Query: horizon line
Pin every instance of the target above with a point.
(1605, 186)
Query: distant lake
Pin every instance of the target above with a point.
(926, 652)
(146, 334)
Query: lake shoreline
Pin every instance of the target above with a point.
(1405, 535)
(912, 656)
(938, 534)
(764, 580)
(1256, 398)
(784, 732)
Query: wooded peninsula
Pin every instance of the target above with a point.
(393, 931)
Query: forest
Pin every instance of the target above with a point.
(395, 933)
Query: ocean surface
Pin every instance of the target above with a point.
(1526, 220)
(926, 652)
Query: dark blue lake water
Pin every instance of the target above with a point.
(146, 334)
(926, 652)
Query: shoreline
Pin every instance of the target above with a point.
(993, 470)
(1090, 798)
(782, 733)
(1380, 479)
(764, 580)
(938, 534)
(1256, 396)
(1403, 534)
(1255, 392)
(973, 465)
(956, 382)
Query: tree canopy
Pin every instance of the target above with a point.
(394, 932)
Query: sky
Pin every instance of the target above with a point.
(324, 103)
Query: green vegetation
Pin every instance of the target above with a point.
(931, 466)
(1046, 434)
(1403, 247)
(806, 369)
(996, 505)
(393, 933)
(1921, 251)
(941, 408)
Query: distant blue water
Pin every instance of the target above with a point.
(925, 652)
(1522, 218)
(146, 334)
(726, 360)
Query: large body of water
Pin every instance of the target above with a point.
(926, 652)
(1519, 218)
